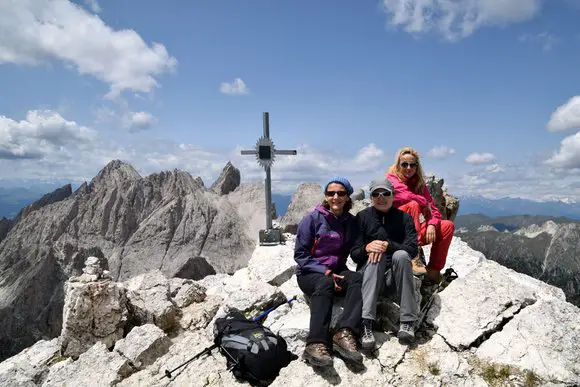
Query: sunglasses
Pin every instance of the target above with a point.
(332, 193)
(405, 164)
(385, 194)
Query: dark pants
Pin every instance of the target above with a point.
(320, 289)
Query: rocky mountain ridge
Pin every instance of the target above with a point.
(493, 326)
(167, 221)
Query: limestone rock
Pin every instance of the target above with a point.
(93, 312)
(95, 367)
(358, 194)
(143, 345)
(189, 293)
(149, 300)
(29, 366)
(274, 266)
(198, 315)
(250, 201)
(227, 181)
(447, 204)
(543, 338)
(306, 197)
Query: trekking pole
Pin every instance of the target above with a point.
(204, 352)
(264, 314)
(449, 275)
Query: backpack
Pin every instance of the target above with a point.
(253, 352)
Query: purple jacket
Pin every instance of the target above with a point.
(323, 241)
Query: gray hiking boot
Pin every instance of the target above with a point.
(368, 338)
(406, 332)
(317, 354)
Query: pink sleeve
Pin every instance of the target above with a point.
(435, 218)
(402, 194)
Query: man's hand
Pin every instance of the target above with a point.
(430, 235)
(377, 246)
(338, 281)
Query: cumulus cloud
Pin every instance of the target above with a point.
(456, 19)
(135, 121)
(480, 158)
(441, 152)
(566, 116)
(62, 30)
(568, 156)
(41, 133)
(93, 6)
(237, 87)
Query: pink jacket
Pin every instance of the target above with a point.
(403, 196)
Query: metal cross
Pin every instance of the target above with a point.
(265, 153)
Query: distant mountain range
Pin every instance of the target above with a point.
(511, 206)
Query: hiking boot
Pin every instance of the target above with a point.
(367, 339)
(418, 263)
(418, 266)
(317, 354)
(344, 343)
(406, 332)
(434, 275)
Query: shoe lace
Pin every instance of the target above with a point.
(406, 327)
(321, 349)
(367, 332)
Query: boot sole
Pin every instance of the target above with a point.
(317, 362)
(405, 337)
(354, 357)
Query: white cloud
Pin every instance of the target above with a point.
(568, 156)
(480, 158)
(441, 152)
(40, 134)
(138, 121)
(93, 5)
(236, 87)
(566, 116)
(544, 39)
(62, 30)
(456, 19)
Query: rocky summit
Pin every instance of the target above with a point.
(491, 326)
(167, 221)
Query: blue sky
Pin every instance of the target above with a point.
(485, 90)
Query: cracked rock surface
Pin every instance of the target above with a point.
(495, 327)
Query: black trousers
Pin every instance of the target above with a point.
(320, 289)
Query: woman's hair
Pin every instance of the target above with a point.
(417, 183)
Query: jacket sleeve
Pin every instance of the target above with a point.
(304, 241)
(409, 244)
(358, 252)
(435, 217)
(402, 193)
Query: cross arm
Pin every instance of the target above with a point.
(285, 152)
(249, 152)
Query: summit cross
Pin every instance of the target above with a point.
(265, 153)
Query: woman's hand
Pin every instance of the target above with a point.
(430, 235)
(338, 282)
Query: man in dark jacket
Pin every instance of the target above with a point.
(387, 240)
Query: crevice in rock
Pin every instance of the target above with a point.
(497, 328)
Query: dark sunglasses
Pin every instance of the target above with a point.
(385, 194)
(405, 164)
(332, 193)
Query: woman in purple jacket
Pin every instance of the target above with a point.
(323, 243)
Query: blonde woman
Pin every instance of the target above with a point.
(412, 196)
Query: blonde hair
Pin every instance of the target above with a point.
(418, 183)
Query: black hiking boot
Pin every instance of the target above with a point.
(317, 354)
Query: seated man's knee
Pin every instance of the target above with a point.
(401, 256)
(354, 278)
